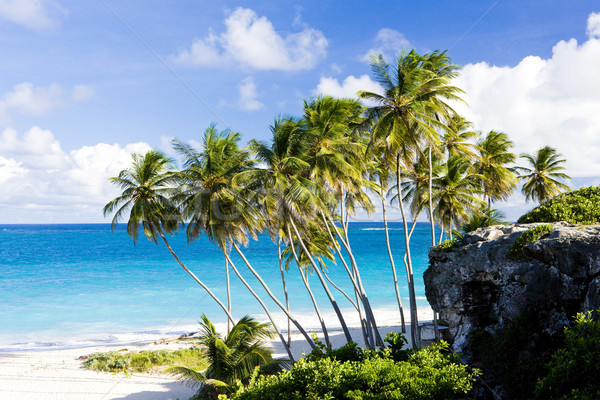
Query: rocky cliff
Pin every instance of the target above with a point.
(476, 286)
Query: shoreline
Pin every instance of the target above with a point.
(59, 374)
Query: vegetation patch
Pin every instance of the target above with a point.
(576, 207)
(145, 360)
(448, 245)
(429, 373)
(516, 249)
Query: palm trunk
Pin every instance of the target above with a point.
(257, 297)
(431, 221)
(441, 234)
(395, 276)
(368, 310)
(363, 322)
(272, 296)
(215, 298)
(327, 291)
(310, 293)
(337, 287)
(228, 293)
(414, 323)
(287, 300)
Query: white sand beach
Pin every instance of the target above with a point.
(59, 374)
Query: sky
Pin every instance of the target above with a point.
(86, 83)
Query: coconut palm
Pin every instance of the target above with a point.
(147, 186)
(230, 358)
(493, 155)
(226, 213)
(483, 217)
(542, 176)
(415, 89)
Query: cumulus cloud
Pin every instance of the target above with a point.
(40, 180)
(32, 14)
(348, 88)
(543, 101)
(253, 42)
(388, 42)
(248, 95)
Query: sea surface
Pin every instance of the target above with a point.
(77, 285)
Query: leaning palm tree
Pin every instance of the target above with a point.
(230, 358)
(147, 186)
(492, 157)
(226, 213)
(542, 176)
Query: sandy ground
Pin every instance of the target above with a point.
(59, 374)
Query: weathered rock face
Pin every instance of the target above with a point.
(477, 286)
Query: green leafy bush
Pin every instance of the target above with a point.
(448, 245)
(429, 373)
(145, 360)
(535, 233)
(575, 369)
(580, 206)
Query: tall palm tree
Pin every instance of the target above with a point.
(493, 155)
(226, 213)
(147, 186)
(415, 89)
(542, 176)
(230, 358)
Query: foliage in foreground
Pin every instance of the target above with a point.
(515, 251)
(145, 360)
(429, 373)
(574, 369)
(580, 206)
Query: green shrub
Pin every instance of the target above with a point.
(448, 245)
(535, 233)
(430, 373)
(574, 371)
(580, 206)
(145, 360)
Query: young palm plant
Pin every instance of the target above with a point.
(147, 186)
(542, 176)
(230, 358)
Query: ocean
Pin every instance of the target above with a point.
(79, 285)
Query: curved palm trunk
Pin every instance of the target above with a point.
(327, 291)
(393, 265)
(337, 287)
(431, 221)
(215, 298)
(368, 310)
(257, 297)
(363, 322)
(228, 293)
(310, 293)
(272, 296)
(414, 323)
(287, 300)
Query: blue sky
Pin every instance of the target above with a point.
(86, 83)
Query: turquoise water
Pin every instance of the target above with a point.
(73, 285)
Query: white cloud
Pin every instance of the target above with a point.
(253, 42)
(32, 14)
(248, 95)
(542, 102)
(348, 88)
(593, 25)
(41, 182)
(388, 42)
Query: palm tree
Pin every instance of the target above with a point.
(226, 213)
(483, 217)
(455, 192)
(414, 92)
(542, 178)
(493, 154)
(230, 358)
(146, 187)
